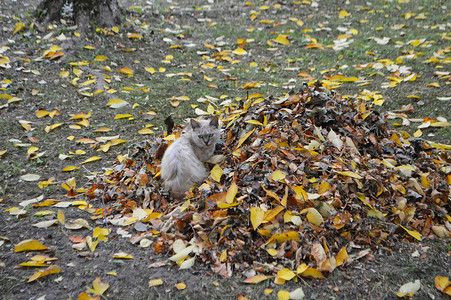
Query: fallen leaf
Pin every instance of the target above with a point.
(98, 287)
(29, 245)
(30, 177)
(257, 216)
(117, 103)
(256, 279)
(50, 270)
(155, 282)
(409, 289)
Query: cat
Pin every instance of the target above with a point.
(183, 163)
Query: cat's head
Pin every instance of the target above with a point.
(205, 132)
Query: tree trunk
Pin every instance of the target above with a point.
(87, 14)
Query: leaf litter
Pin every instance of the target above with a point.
(316, 181)
(287, 201)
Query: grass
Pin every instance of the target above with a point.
(192, 27)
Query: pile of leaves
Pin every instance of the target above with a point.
(302, 184)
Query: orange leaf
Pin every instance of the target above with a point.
(315, 45)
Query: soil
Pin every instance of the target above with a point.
(375, 276)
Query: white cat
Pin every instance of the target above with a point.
(183, 163)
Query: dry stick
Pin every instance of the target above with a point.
(105, 221)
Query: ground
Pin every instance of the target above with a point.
(164, 60)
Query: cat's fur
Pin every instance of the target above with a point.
(183, 163)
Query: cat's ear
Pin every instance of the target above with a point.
(214, 122)
(194, 124)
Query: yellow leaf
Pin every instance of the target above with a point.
(123, 255)
(100, 58)
(441, 283)
(84, 123)
(145, 131)
(434, 84)
(343, 14)
(216, 173)
(70, 168)
(313, 216)
(91, 159)
(413, 233)
(315, 45)
(29, 245)
(253, 64)
(61, 217)
(90, 47)
(239, 51)
(155, 282)
(2, 152)
(283, 295)
(286, 274)
(42, 113)
(256, 279)
(349, 79)
(396, 139)
(257, 216)
(184, 98)
(48, 271)
(301, 194)
(122, 116)
(311, 272)
(134, 36)
(273, 213)
(324, 187)
(126, 71)
(103, 129)
(64, 74)
(268, 291)
(98, 287)
(180, 286)
(278, 176)
(282, 39)
(81, 116)
(350, 174)
(117, 103)
(342, 257)
(254, 122)
(51, 127)
(161, 70)
(231, 193)
(271, 251)
(18, 27)
(32, 150)
(283, 237)
(417, 133)
(245, 137)
(150, 70)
